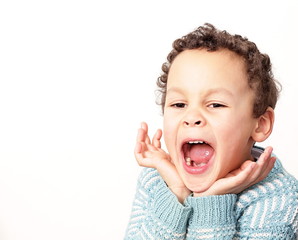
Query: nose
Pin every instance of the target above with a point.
(192, 124)
(193, 119)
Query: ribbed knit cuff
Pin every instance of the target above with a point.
(212, 210)
(169, 210)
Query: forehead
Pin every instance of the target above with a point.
(201, 68)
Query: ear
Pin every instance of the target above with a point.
(264, 126)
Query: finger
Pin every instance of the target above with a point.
(151, 148)
(265, 156)
(138, 152)
(144, 126)
(156, 139)
(236, 181)
(141, 136)
(266, 171)
(263, 166)
(269, 167)
(247, 173)
(242, 168)
(246, 164)
(140, 155)
(138, 148)
(240, 176)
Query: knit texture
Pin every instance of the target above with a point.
(267, 210)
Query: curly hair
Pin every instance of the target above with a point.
(258, 65)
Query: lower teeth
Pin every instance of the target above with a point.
(189, 162)
(199, 165)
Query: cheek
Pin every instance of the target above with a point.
(239, 127)
(223, 128)
(170, 129)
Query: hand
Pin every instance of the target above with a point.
(149, 154)
(240, 179)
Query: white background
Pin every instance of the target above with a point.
(77, 78)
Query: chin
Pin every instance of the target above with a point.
(198, 188)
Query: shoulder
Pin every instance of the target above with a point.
(273, 200)
(278, 183)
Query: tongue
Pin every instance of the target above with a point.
(200, 153)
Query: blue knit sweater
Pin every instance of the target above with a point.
(267, 210)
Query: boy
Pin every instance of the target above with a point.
(217, 96)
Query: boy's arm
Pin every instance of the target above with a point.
(269, 210)
(156, 212)
(270, 219)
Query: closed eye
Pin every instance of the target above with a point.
(178, 105)
(216, 105)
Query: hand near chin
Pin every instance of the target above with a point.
(240, 179)
(148, 153)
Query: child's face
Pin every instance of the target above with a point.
(208, 100)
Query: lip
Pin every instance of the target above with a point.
(195, 170)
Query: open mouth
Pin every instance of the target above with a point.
(197, 153)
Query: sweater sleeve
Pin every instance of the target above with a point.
(156, 212)
(213, 217)
(269, 210)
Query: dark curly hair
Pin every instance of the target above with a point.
(260, 76)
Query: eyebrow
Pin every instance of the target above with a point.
(209, 92)
(174, 90)
(219, 90)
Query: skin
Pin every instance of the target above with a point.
(208, 98)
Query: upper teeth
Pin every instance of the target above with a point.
(196, 142)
